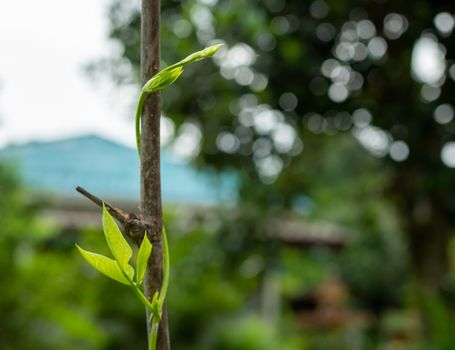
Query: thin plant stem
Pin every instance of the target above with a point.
(140, 106)
(154, 326)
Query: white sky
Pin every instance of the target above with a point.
(44, 94)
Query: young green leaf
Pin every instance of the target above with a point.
(159, 81)
(142, 257)
(105, 265)
(196, 56)
(162, 79)
(117, 243)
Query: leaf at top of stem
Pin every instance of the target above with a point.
(196, 56)
(168, 75)
(117, 243)
(142, 257)
(105, 265)
(161, 80)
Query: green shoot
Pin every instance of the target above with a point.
(163, 79)
(121, 271)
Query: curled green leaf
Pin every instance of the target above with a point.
(163, 79)
(196, 56)
(158, 82)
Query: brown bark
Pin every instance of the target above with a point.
(151, 207)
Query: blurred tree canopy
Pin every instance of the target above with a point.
(325, 110)
(292, 77)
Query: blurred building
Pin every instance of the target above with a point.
(110, 171)
(52, 170)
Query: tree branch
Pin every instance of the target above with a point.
(133, 227)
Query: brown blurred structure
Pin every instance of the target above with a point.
(327, 307)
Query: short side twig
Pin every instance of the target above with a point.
(133, 227)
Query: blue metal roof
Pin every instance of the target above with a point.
(111, 170)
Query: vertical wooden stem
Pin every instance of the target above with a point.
(151, 208)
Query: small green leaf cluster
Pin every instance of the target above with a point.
(120, 270)
(164, 78)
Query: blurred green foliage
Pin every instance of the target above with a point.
(319, 108)
(397, 215)
(56, 300)
(295, 75)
